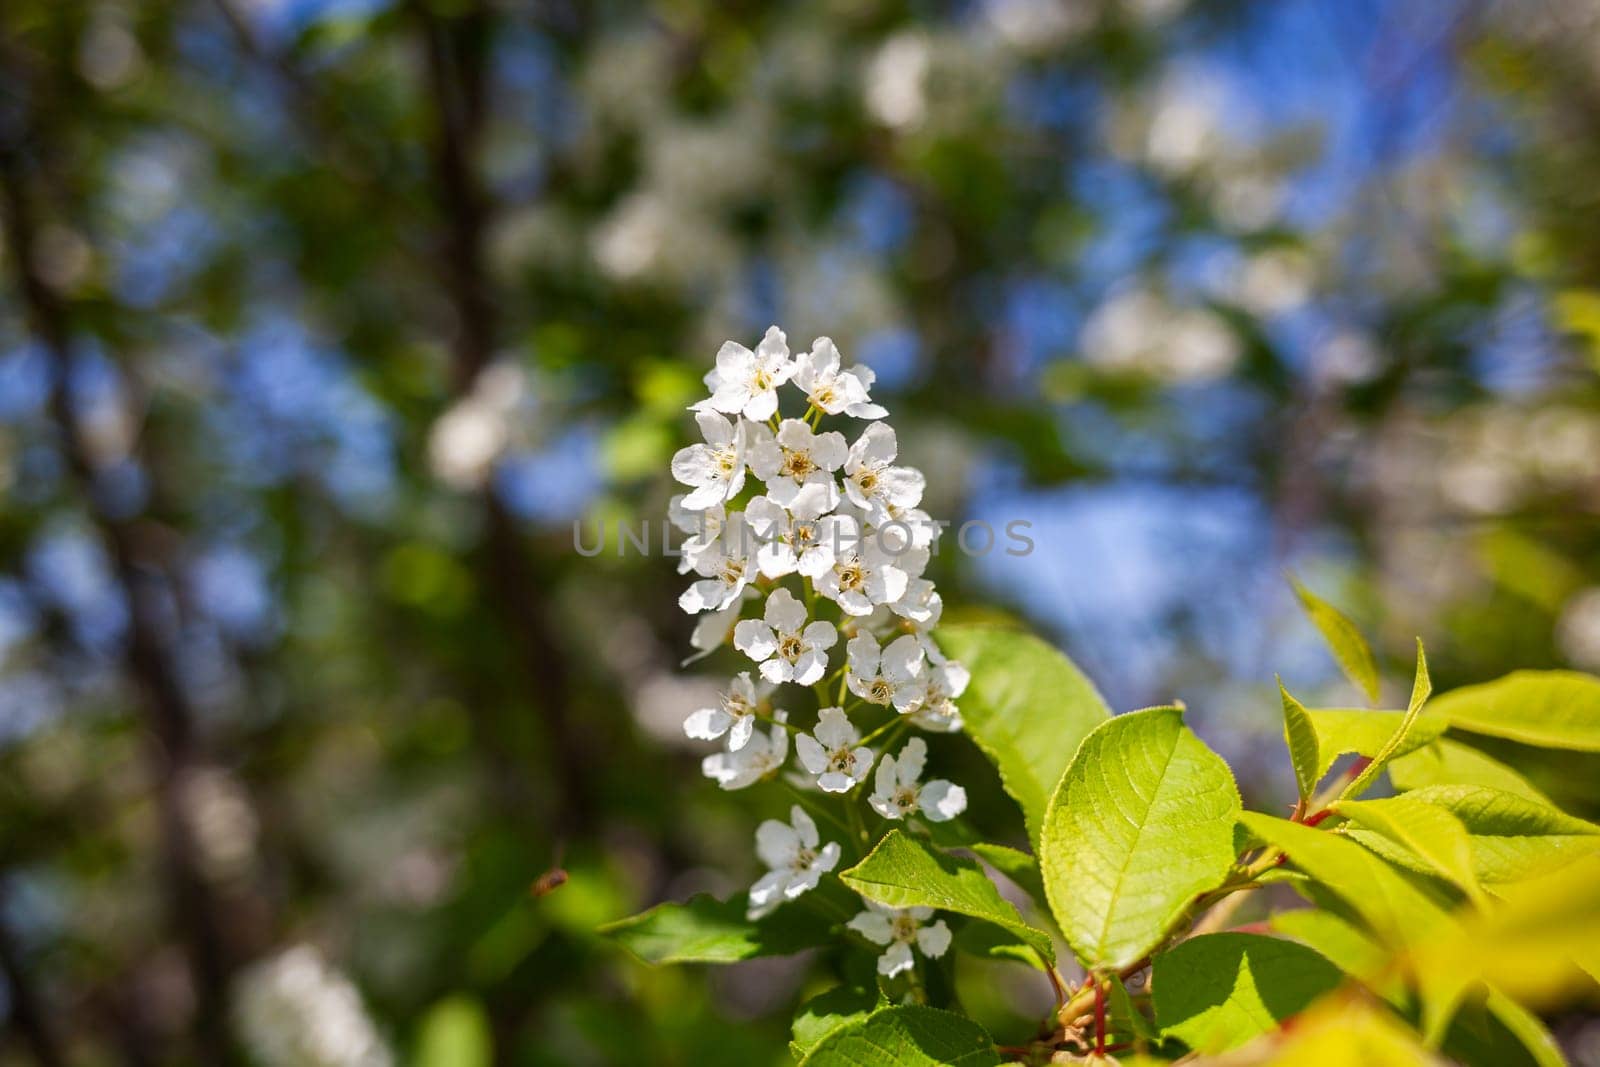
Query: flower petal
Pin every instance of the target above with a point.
(941, 800)
(777, 843)
(834, 729)
(813, 757)
(804, 827)
(807, 670)
(755, 639)
(820, 634)
(875, 926)
(933, 940)
(707, 724)
(739, 733)
(911, 760)
(895, 959)
(784, 612)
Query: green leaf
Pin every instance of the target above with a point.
(1446, 762)
(908, 1036)
(1426, 830)
(1341, 731)
(827, 1012)
(1553, 709)
(1510, 836)
(1349, 648)
(1347, 1030)
(1301, 736)
(1341, 942)
(1395, 909)
(706, 930)
(1214, 992)
(1016, 865)
(1027, 707)
(1501, 1032)
(455, 1033)
(991, 942)
(1420, 688)
(902, 872)
(1140, 825)
(1126, 1018)
(1535, 945)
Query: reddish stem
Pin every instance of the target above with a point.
(1312, 820)
(1099, 1016)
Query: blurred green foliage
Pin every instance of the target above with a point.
(323, 320)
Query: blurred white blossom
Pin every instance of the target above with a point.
(295, 1010)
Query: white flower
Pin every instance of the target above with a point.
(716, 468)
(827, 753)
(746, 382)
(900, 928)
(902, 528)
(861, 574)
(725, 567)
(798, 458)
(871, 480)
(794, 860)
(935, 707)
(700, 527)
(888, 675)
(715, 628)
(787, 649)
(735, 715)
(800, 537)
(834, 390)
(896, 793)
(921, 603)
(761, 757)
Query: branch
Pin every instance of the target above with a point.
(457, 68)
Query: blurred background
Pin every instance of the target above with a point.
(324, 320)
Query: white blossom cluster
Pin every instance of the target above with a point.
(803, 542)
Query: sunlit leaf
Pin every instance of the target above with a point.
(902, 872)
(1342, 943)
(1555, 709)
(1301, 736)
(1536, 945)
(1342, 731)
(1028, 707)
(1344, 1032)
(826, 1012)
(1420, 688)
(1510, 837)
(1349, 648)
(1141, 823)
(1018, 866)
(1447, 762)
(1390, 905)
(706, 930)
(908, 1036)
(1428, 831)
